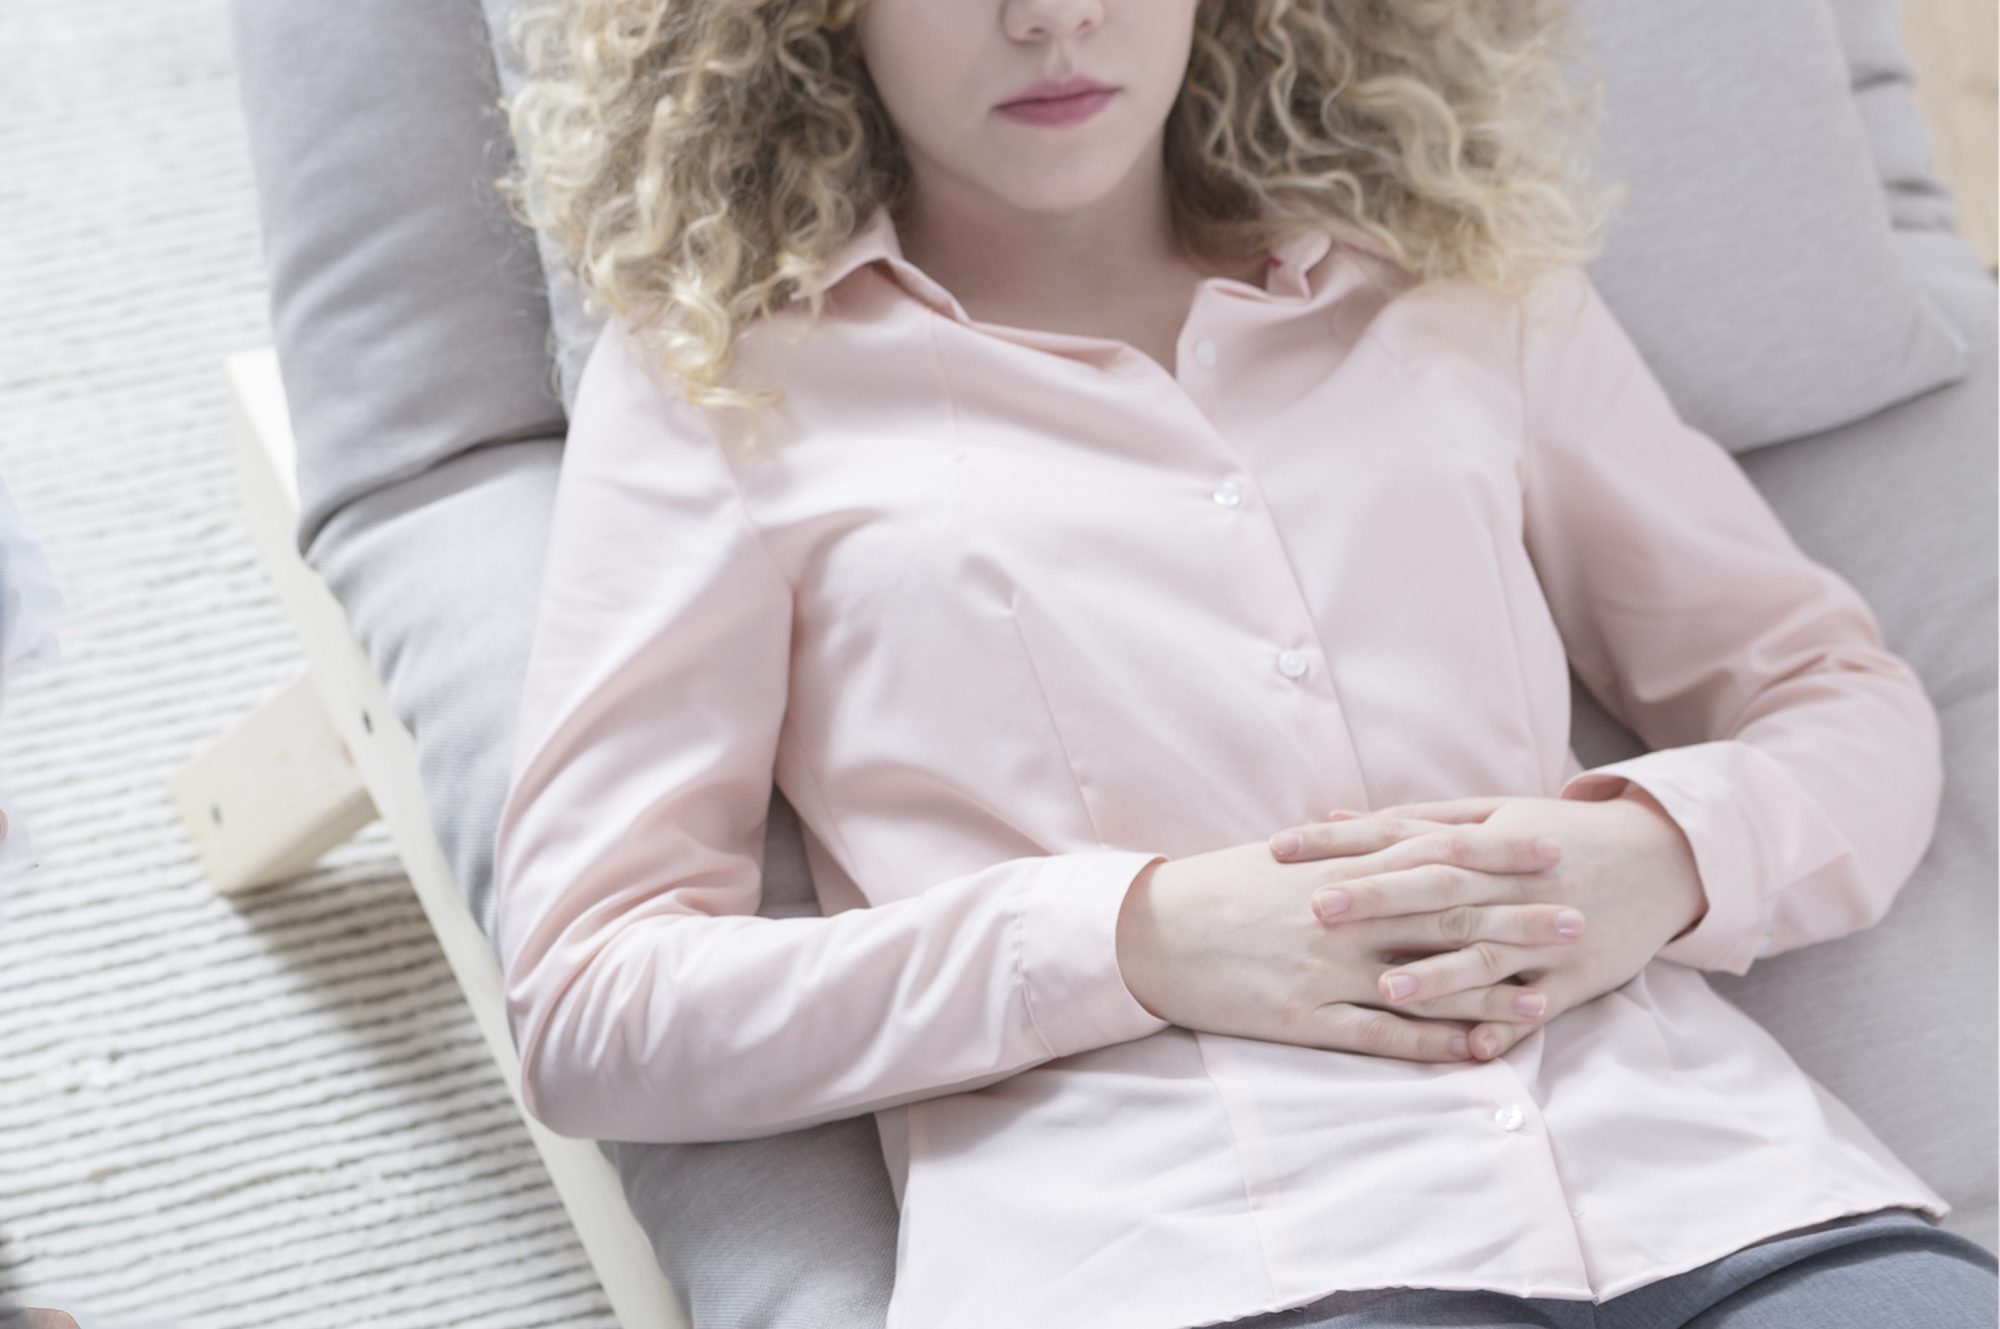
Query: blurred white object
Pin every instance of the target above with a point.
(30, 604)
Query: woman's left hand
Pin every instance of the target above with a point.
(1625, 864)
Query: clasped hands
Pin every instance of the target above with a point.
(1623, 864)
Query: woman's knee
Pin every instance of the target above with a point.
(1929, 1276)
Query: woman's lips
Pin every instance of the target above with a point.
(1060, 110)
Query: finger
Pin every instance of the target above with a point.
(1460, 925)
(1497, 1038)
(1461, 868)
(1486, 1007)
(1346, 1027)
(1473, 966)
(1473, 846)
(1322, 839)
(1447, 809)
(1564, 988)
(1416, 841)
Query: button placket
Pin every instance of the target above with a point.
(1236, 494)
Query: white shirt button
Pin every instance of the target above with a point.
(1291, 664)
(1509, 1117)
(1204, 351)
(1228, 494)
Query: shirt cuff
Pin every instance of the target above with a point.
(1694, 784)
(1069, 951)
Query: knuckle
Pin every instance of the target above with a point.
(1372, 1033)
(1451, 846)
(1373, 836)
(1491, 960)
(1458, 923)
(1449, 883)
(1382, 832)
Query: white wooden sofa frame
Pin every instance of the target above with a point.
(325, 756)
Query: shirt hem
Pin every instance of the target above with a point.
(1730, 1244)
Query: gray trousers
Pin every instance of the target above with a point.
(1888, 1268)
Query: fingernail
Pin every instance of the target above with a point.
(1400, 986)
(1530, 1004)
(1332, 902)
(1485, 1045)
(1569, 922)
(1458, 1045)
(1548, 848)
(1285, 842)
(1339, 814)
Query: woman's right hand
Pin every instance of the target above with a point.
(1226, 942)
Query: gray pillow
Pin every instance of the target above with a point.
(407, 308)
(1751, 264)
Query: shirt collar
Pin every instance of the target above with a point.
(1292, 259)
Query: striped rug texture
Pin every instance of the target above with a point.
(214, 1113)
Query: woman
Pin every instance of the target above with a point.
(1133, 475)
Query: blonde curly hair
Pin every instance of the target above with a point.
(696, 163)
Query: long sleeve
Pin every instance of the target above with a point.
(648, 999)
(1801, 758)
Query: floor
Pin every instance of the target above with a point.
(244, 1113)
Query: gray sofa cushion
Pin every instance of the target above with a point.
(1898, 1020)
(1751, 263)
(408, 309)
(421, 393)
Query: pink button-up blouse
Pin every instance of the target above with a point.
(1008, 614)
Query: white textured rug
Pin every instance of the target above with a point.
(273, 1110)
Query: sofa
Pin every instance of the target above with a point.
(1786, 258)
